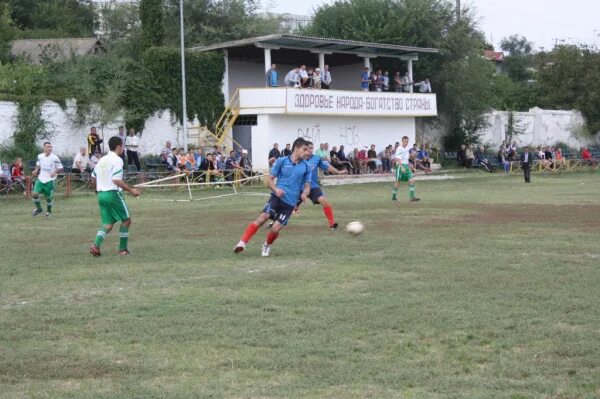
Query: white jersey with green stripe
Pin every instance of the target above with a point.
(109, 168)
(403, 154)
(48, 165)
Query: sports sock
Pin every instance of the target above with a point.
(100, 236)
(271, 237)
(411, 191)
(329, 214)
(249, 233)
(123, 237)
(394, 193)
(49, 205)
(36, 202)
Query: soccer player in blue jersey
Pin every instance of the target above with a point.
(316, 195)
(293, 175)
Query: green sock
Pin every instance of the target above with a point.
(411, 191)
(123, 237)
(100, 236)
(394, 193)
(49, 206)
(36, 202)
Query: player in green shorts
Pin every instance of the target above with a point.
(108, 175)
(47, 168)
(403, 172)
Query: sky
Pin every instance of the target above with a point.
(541, 21)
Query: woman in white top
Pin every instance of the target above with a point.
(132, 143)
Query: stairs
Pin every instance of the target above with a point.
(223, 129)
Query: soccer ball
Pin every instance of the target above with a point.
(355, 228)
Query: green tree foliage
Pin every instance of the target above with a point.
(151, 17)
(516, 45)
(30, 126)
(569, 78)
(460, 76)
(52, 18)
(7, 31)
(520, 57)
(211, 21)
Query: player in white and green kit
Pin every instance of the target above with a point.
(47, 167)
(108, 175)
(403, 172)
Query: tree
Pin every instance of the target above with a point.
(460, 76)
(53, 18)
(516, 45)
(520, 58)
(151, 17)
(569, 78)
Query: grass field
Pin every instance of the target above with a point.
(487, 288)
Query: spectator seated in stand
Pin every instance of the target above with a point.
(5, 179)
(210, 166)
(170, 161)
(190, 161)
(559, 160)
(502, 159)
(17, 172)
(181, 159)
(231, 165)
(374, 163)
(412, 160)
(94, 158)
(481, 160)
(423, 157)
(363, 159)
(337, 163)
(81, 162)
(470, 155)
(586, 156)
(246, 164)
(386, 159)
(461, 157)
(541, 156)
(352, 157)
(549, 155)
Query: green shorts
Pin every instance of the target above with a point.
(112, 207)
(403, 173)
(46, 189)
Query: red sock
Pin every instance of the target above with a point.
(329, 213)
(271, 237)
(250, 231)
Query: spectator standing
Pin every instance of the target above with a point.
(123, 137)
(365, 79)
(398, 84)
(326, 79)
(407, 83)
(93, 141)
(526, 161)
(132, 143)
(374, 163)
(287, 151)
(424, 86)
(377, 81)
(272, 79)
(386, 81)
(292, 79)
(470, 155)
(81, 162)
(274, 154)
(317, 79)
(461, 156)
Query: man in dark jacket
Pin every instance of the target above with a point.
(526, 161)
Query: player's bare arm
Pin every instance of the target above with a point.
(121, 184)
(35, 171)
(305, 192)
(271, 183)
(335, 171)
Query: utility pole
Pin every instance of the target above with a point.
(457, 10)
(183, 95)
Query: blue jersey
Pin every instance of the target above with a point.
(291, 178)
(315, 162)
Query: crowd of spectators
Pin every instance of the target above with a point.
(548, 157)
(315, 78)
(367, 160)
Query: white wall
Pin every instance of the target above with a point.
(538, 126)
(352, 132)
(68, 138)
